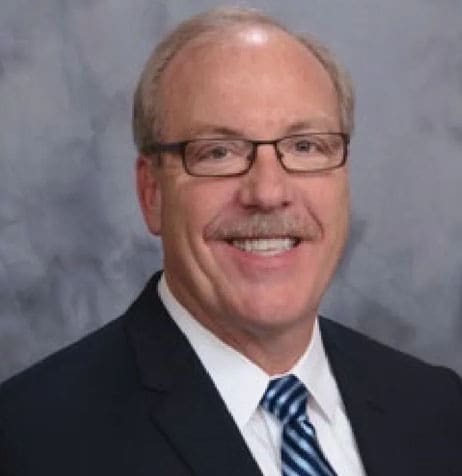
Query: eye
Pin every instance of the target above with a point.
(312, 145)
(208, 151)
(217, 152)
(303, 146)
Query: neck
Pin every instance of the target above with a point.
(275, 348)
(274, 352)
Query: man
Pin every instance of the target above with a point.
(222, 366)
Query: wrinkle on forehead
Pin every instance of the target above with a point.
(248, 77)
(237, 37)
(234, 43)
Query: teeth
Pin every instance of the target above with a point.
(265, 246)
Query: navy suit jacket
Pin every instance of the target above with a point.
(133, 399)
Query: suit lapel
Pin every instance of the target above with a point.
(366, 404)
(184, 404)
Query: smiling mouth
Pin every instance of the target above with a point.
(265, 246)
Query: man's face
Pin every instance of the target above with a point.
(248, 256)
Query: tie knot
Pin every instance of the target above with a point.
(286, 398)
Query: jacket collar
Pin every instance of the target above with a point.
(363, 395)
(184, 404)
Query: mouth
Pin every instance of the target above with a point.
(265, 246)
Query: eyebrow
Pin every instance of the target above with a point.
(320, 124)
(209, 130)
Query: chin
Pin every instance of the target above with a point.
(275, 315)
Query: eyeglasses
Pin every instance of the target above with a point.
(227, 157)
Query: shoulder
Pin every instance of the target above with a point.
(384, 390)
(71, 396)
(92, 365)
(396, 372)
(102, 361)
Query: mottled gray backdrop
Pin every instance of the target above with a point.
(73, 248)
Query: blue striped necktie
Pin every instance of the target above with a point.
(301, 454)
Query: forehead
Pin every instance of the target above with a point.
(257, 81)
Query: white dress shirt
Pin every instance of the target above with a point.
(242, 384)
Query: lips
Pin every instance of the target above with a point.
(264, 246)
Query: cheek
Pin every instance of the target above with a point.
(339, 215)
(328, 199)
(189, 205)
(328, 194)
(341, 202)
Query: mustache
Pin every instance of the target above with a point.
(264, 225)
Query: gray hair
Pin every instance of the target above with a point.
(147, 98)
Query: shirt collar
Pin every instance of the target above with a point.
(314, 371)
(239, 381)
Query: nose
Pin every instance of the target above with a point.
(266, 186)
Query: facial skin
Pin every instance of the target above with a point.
(258, 84)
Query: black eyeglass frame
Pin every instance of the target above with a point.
(180, 148)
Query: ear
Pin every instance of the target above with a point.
(149, 193)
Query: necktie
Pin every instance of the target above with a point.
(301, 454)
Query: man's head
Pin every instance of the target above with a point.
(248, 255)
